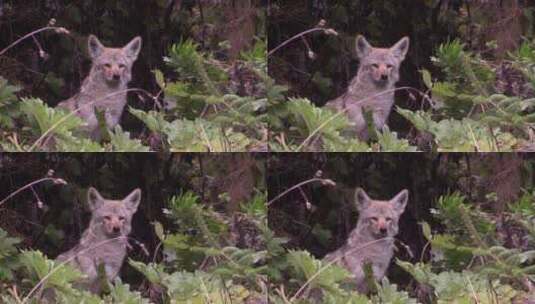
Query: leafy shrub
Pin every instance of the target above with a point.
(468, 110)
(203, 110)
(468, 262)
(200, 264)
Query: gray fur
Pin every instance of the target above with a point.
(368, 90)
(104, 88)
(100, 243)
(368, 243)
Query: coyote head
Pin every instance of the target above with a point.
(381, 65)
(113, 64)
(380, 218)
(112, 218)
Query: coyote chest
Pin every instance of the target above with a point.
(104, 89)
(377, 254)
(360, 98)
(94, 97)
(372, 239)
(372, 89)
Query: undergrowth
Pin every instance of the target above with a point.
(199, 260)
(464, 261)
(201, 110)
(472, 106)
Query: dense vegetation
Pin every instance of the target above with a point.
(467, 235)
(199, 84)
(199, 235)
(467, 84)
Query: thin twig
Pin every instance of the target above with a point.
(316, 29)
(205, 136)
(315, 179)
(55, 28)
(54, 179)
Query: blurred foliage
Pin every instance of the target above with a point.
(202, 71)
(460, 238)
(468, 70)
(186, 246)
(469, 112)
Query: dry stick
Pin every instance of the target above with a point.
(43, 280)
(57, 29)
(299, 35)
(205, 137)
(345, 110)
(322, 180)
(47, 132)
(301, 289)
(54, 179)
(472, 290)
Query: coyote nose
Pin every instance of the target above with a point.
(116, 229)
(382, 230)
(116, 76)
(384, 77)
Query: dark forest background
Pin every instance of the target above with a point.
(318, 216)
(383, 22)
(51, 216)
(52, 66)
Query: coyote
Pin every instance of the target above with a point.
(372, 239)
(104, 241)
(371, 88)
(104, 88)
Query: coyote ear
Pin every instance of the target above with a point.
(132, 200)
(94, 46)
(362, 199)
(400, 201)
(94, 199)
(400, 49)
(132, 48)
(362, 46)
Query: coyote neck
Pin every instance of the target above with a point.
(360, 88)
(93, 237)
(97, 87)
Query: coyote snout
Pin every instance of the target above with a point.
(113, 224)
(113, 72)
(379, 225)
(381, 72)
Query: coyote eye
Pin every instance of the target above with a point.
(121, 218)
(107, 218)
(388, 219)
(375, 65)
(374, 219)
(107, 65)
(388, 66)
(121, 66)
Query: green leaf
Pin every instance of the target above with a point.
(153, 272)
(159, 78)
(120, 293)
(121, 142)
(60, 123)
(158, 229)
(426, 77)
(60, 275)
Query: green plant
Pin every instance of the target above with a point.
(204, 109)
